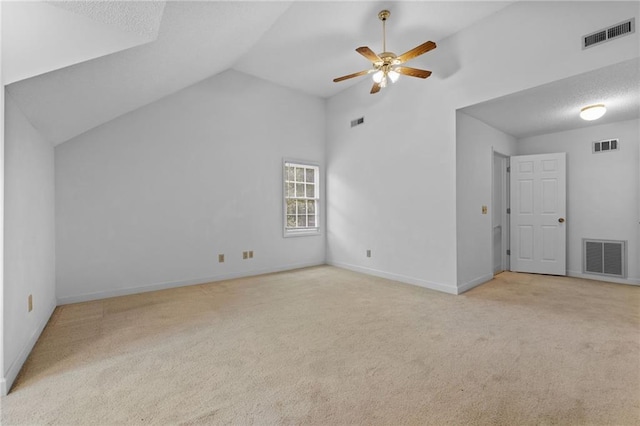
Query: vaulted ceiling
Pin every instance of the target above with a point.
(87, 62)
(74, 65)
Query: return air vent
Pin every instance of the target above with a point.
(606, 145)
(357, 122)
(606, 34)
(605, 257)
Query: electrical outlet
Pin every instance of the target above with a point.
(221, 258)
(245, 255)
(250, 254)
(30, 302)
(484, 209)
(368, 253)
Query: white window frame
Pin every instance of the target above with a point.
(300, 232)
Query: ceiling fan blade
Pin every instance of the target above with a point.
(375, 88)
(369, 54)
(417, 51)
(355, 74)
(413, 72)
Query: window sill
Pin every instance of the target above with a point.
(301, 233)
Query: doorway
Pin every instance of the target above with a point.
(500, 218)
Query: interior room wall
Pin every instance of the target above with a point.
(392, 180)
(3, 381)
(602, 189)
(150, 199)
(29, 237)
(475, 143)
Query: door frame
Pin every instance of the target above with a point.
(502, 204)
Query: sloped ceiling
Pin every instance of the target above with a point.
(38, 37)
(314, 42)
(195, 40)
(170, 45)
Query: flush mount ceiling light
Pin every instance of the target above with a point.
(592, 112)
(386, 65)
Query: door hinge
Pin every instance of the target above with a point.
(508, 210)
(508, 252)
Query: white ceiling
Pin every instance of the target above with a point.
(195, 40)
(302, 45)
(554, 107)
(70, 32)
(96, 60)
(314, 42)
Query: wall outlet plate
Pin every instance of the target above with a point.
(221, 258)
(251, 254)
(245, 255)
(368, 253)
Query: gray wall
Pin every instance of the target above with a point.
(475, 141)
(29, 238)
(150, 199)
(602, 189)
(392, 182)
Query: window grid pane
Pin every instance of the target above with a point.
(300, 196)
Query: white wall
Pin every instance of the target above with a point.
(3, 382)
(392, 181)
(29, 238)
(151, 198)
(602, 189)
(475, 142)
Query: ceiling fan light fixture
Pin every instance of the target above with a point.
(386, 65)
(592, 112)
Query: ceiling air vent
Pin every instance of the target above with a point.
(357, 122)
(606, 34)
(606, 146)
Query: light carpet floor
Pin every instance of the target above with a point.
(329, 346)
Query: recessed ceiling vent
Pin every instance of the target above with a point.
(606, 34)
(357, 122)
(606, 145)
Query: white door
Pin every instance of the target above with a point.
(538, 211)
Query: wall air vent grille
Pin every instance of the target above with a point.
(606, 145)
(357, 122)
(604, 257)
(606, 34)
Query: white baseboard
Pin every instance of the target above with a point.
(65, 300)
(396, 277)
(17, 363)
(474, 283)
(627, 281)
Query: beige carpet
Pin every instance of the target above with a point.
(328, 346)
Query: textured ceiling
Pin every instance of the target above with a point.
(554, 107)
(302, 45)
(314, 42)
(140, 17)
(195, 40)
(38, 37)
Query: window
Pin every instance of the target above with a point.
(301, 197)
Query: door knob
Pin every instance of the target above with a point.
(561, 220)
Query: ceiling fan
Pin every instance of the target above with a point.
(386, 65)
